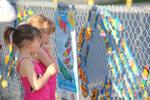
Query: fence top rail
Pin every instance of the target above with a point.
(112, 8)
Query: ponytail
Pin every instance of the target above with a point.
(17, 36)
(9, 31)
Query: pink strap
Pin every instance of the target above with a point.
(20, 63)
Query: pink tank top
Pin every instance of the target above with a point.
(51, 81)
(29, 94)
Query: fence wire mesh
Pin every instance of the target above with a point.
(136, 21)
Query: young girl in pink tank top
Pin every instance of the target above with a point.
(34, 80)
(44, 56)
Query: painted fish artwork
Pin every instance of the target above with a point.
(95, 93)
(68, 42)
(84, 90)
(67, 60)
(83, 76)
(80, 39)
(88, 33)
(67, 52)
(62, 24)
(71, 18)
(64, 71)
(24, 14)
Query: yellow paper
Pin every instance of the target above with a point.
(19, 15)
(4, 84)
(10, 47)
(145, 72)
(30, 12)
(24, 13)
(6, 59)
(71, 19)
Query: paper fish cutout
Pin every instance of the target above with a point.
(102, 33)
(84, 89)
(20, 17)
(10, 48)
(7, 59)
(142, 85)
(79, 61)
(69, 66)
(71, 18)
(62, 24)
(107, 93)
(4, 84)
(88, 33)
(80, 39)
(11, 68)
(145, 72)
(67, 61)
(145, 94)
(95, 93)
(67, 52)
(24, 15)
(64, 71)
(68, 42)
(82, 75)
(30, 12)
(108, 48)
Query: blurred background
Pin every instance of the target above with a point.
(103, 2)
(137, 22)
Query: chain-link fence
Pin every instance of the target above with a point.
(136, 21)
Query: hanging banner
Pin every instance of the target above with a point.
(92, 62)
(65, 51)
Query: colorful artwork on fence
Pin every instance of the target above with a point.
(7, 66)
(65, 33)
(9, 61)
(24, 14)
(92, 63)
(127, 79)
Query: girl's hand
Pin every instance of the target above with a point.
(51, 69)
(47, 59)
(49, 47)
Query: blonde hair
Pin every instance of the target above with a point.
(42, 23)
